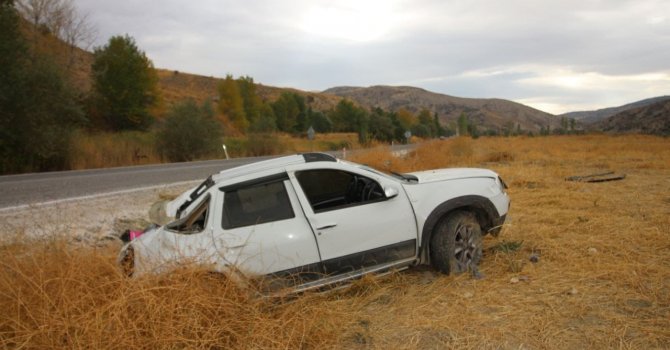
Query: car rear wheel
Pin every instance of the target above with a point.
(456, 245)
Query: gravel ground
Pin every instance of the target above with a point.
(89, 220)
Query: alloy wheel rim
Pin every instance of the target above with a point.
(465, 247)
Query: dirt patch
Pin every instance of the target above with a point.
(88, 220)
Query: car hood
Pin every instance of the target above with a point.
(451, 174)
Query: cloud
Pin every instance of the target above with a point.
(555, 54)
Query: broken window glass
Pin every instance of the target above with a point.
(194, 222)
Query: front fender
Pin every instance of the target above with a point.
(484, 209)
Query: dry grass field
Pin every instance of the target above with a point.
(105, 150)
(602, 279)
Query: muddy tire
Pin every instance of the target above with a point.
(456, 244)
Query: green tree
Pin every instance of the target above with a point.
(439, 130)
(38, 110)
(125, 84)
(255, 110)
(321, 122)
(189, 132)
(381, 126)
(425, 120)
(421, 130)
(473, 130)
(348, 117)
(250, 100)
(13, 57)
(289, 111)
(231, 103)
(265, 122)
(398, 129)
(302, 120)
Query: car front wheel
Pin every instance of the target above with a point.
(456, 245)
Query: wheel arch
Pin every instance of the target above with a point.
(482, 207)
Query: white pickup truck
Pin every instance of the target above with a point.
(321, 220)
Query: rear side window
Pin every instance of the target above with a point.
(256, 204)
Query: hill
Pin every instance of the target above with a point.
(588, 117)
(650, 119)
(175, 85)
(487, 113)
(74, 62)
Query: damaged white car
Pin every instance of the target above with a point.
(321, 220)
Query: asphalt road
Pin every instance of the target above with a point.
(38, 188)
(43, 188)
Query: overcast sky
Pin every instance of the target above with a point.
(557, 56)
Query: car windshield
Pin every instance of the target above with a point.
(194, 222)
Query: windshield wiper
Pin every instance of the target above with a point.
(406, 177)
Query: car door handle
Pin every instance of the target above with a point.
(324, 227)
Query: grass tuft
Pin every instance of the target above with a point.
(507, 247)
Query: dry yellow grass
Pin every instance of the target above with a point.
(602, 280)
(603, 276)
(322, 142)
(104, 150)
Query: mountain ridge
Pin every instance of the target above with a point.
(649, 119)
(489, 113)
(594, 116)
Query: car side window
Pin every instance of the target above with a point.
(194, 222)
(329, 189)
(256, 204)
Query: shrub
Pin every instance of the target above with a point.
(109, 149)
(262, 144)
(189, 132)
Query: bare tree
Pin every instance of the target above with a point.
(37, 11)
(60, 18)
(74, 29)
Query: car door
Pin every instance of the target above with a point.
(257, 227)
(266, 231)
(356, 225)
(187, 240)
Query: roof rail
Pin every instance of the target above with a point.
(318, 157)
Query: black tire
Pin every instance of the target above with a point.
(456, 244)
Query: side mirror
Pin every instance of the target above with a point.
(390, 192)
